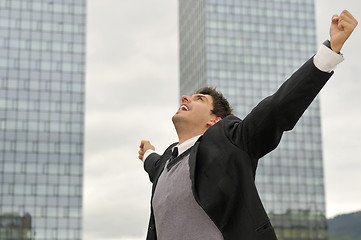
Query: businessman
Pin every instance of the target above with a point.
(203, 186)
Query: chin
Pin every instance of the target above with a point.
(175, 117)
(178, 118)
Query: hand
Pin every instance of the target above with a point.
(341, 28)
(144, 146)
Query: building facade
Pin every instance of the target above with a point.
(42, 58)
(247, 48)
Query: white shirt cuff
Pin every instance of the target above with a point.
(147, 153)
(327, 60)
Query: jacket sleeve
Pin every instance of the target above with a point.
(262, 129)
(151, 165)
(154, 163)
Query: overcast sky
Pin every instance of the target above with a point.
(132, 92)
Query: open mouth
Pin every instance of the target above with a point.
(184, 107)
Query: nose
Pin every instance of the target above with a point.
(186, 98)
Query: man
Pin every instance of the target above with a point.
(203, 186)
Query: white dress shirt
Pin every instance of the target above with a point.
(181, 147)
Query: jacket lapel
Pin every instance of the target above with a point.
(192, 167)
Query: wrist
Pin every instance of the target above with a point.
(147, 153)
(329, 44)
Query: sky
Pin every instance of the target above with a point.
(132, 93)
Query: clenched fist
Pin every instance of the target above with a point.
(341, 28)
(144, 146)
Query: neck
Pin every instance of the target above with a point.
(182, 139)
(188, 134)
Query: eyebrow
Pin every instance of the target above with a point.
(201, 95)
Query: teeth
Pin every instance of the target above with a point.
(185, 108)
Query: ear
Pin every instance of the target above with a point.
(213, 121)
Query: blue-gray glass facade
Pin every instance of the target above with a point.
(42, 77)
(247, 48)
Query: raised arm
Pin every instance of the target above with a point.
(153, 158)
(264, 126)
(153, 162)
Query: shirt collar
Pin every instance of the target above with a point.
(187, 144)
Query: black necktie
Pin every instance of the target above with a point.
(174, 155)
(174, 159)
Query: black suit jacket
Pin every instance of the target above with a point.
(223, 161)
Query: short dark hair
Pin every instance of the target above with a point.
(221, 106)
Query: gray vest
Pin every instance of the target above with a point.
(177, 214)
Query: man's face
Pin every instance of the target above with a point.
(195, 111)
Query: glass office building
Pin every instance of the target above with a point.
(247, 48)
(42, 57)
